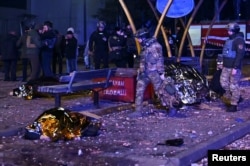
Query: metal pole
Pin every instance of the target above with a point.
(189, 38)
(187, 27)
(125, 9)
(162, 30)
(209, 29)
(162, 17)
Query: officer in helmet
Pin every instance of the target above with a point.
(98, 46)
(233, 53)
(151, 70)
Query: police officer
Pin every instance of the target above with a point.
(98, 46)
(233, 53)
(151, 68)
(117, 45)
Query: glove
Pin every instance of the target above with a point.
(162, 76)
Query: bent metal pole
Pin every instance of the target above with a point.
(208, 31)
(162, 30)
(187, 27)
(188, 37)
(162, 17)
(125, 9)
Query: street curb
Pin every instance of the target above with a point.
(200, 151)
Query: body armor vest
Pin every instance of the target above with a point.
(227, 49)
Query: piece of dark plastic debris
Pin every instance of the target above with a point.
(239, 120)
(173, 142)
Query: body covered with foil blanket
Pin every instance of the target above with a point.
(62, 124)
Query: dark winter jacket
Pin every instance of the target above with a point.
(98, 42)
(48, 39)
(9, 50)
(35, 40)
(21, 44)
(70, 48)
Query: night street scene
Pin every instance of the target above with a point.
(124, 83)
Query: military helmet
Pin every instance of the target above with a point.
(234, 27)
(141, 33)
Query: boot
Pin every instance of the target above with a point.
(225, 100)
(135, 114)
(232, 108)
(240, 100)
(172, 112)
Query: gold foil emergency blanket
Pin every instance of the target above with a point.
(60, 124)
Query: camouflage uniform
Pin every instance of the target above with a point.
(233, 53)
(167, 93)
(150, 69)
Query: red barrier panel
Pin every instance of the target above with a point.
(124, 87)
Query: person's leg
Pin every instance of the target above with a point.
(46, 62)
(6, 67)
(235, 91)
(75, 63)
(72, 65)
(24, 68)
(97, 60)
(86, 61)
(130, 60)
(67, 65)
(142, 82)
(35, 63)
(225, 84)
(54, 62)
(60, 63)
(105, 60)
(234, 87)
(13, 66)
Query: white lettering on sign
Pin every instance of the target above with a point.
(115, 92)
(216, 157)
(118, 83)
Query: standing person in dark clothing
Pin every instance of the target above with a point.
(34, 44)
(21, 43)
(233, 53)
(9, 53)
(48, 38)
(131, 49)
(98, 46)
(58, 53)
(70, 51)
(117, 46)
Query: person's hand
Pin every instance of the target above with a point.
(234, 71)
(162, 76)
